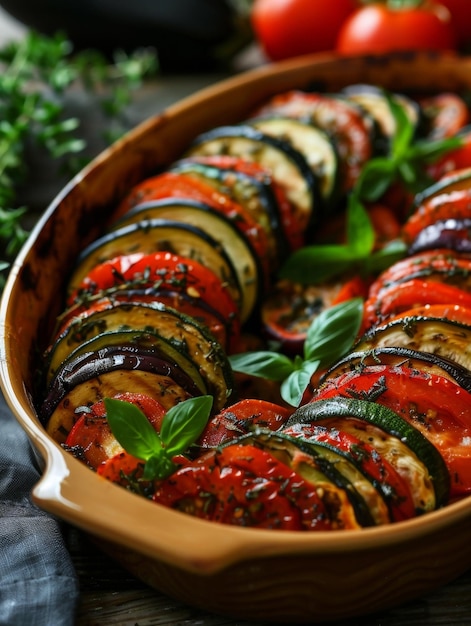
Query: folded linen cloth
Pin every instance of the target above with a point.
(38, 584)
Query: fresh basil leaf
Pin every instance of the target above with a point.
(132, 429)
(380, 260)
(292, 389)
(431, 149)
(375, 178)
(184, 423)
(333, 331)
(158, 467)
(314, 264)
(404, 128)
(264, 364)
(360, 231)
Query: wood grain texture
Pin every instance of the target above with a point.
(110, 596)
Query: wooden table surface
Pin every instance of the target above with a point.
(110, 596)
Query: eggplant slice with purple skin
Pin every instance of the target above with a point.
(93, 376)
(452, 234)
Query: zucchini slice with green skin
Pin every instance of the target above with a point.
(453, 181)
(287, 165)
(375, 102)
(319, 466)
(237, 247)
(159, 235)
(183, 332)
(391, 423)
(96, 377)
(254, 193)
(446, 338)
(398, 355)
(314, 144)
(148, 339)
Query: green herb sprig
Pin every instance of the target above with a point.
(330, 335)
(35, 74)
(181, 427)
(404, 164)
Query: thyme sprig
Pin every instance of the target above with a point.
(35, 74)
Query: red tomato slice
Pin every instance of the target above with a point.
(91, 438)
(453, 312)
(439, 264)
(447, 114)
(439, 408)
(179, 185)
(395, 489)
(240, 418)
(399, 297)
(244, 486)
(344, 121)
(290, 226)
(448, 205)
(179, 282)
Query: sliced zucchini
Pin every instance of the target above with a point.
(319, 466)
(182, 332)
(216, 225)
(254, 193)
(408, 446)
(376, 102)
(316, 147)
(446, 338)
(287, 165)
(164, 235)
(454, 181)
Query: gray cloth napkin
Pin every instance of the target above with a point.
(38, 584)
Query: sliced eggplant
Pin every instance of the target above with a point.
(95, 376)
(448, 339)
(225, 233)
(183, 332)
(254, 193)
(145, 340)
(287, 165)
(314, 144)
(452, 234)
(159, 235)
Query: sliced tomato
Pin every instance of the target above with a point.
(419, 265)
(446, 113)
(454, 204)
(91, 439)
(351, 129)
(176, 281)
(456, 159)
(399, 297)
(244, 486)
(241, 417)
(290, 308)
(394, 489)
(434, 405)
(290, 226)
(179, 185)
(448, 311)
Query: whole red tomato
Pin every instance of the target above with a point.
(289, 28)
(385, 27)
(460, 19)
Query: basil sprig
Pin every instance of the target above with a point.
(181, 427)
(404, 163)
(330, 336)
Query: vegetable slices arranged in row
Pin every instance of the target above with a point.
(158, 304)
